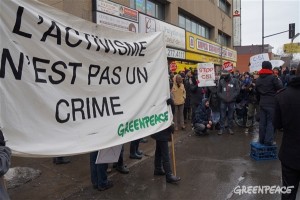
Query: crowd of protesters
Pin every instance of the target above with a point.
(272, 97)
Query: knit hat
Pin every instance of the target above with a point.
(266, 65)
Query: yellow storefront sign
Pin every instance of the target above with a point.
(291, 48)
(202, 58)
(200, 45)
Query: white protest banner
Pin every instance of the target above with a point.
(257, 60)
(206, 74)
(69, 86)
(276, 63)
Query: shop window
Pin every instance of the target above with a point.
(151, 8)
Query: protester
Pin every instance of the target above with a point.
(5, 156)
(266, 86)
(187, 104)
(203, 120)
(99, 174)
(61, 160)
(287, 115)
(120, 166)
(214, 104)
(253, 102)
(277, 72)
(291, 74)
(135, 153)
(197, 93)
(228, 90)
(179, 94)
(162, 164)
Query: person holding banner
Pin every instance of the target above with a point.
(266, 86)
(5, 156)
(228, 90)
(162, 164)
(179, 94)
(99, 174)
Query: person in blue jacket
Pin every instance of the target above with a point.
(203, 120)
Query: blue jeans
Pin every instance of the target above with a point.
(266, 129)
(215, 117)
(98, 171)
(230, 108)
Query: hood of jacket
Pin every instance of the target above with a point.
(265, 72)
(295, 82)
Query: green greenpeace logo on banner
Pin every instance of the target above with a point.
(142, 123)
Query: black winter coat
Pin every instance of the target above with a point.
(228, 90)
(287, 116)
(202, 114)
(266, 86)
(164, 135)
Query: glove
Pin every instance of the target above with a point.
(170, 101)
(172, 128)
(2, 141)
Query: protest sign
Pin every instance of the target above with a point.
(228, 66)
(257, 60)
(69, 86)
(109, 155)
(206, 74)
(276, 63)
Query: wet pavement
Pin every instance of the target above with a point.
(210, 167)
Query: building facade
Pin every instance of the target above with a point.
(245, 52)
(195, 31)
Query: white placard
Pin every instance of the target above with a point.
(109, 155)
(276, 63)
(257, 60)
(206, 74)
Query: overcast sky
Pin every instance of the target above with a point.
(278, 14)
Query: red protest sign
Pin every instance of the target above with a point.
(173, 66)
(228, 66)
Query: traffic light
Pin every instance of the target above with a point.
(291, 30)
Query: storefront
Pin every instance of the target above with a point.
(199, 49)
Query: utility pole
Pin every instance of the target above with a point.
(222, 38)
(263, 28)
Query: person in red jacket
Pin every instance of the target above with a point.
(266, 86)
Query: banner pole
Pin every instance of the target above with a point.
(173, 154)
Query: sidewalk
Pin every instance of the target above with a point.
(62, 181)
